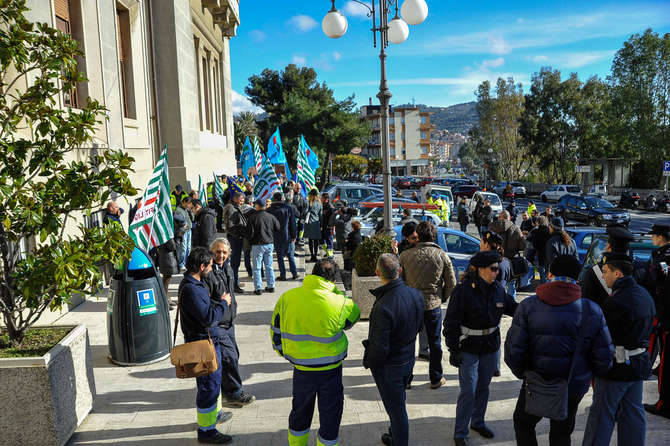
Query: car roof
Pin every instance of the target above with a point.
(450, 231)
(586, 229)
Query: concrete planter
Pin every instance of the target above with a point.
(45, 398)
(360, 292)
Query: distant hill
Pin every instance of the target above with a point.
(457, 118)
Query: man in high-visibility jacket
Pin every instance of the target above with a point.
(531, 208)
(176, 196)
(307, 329)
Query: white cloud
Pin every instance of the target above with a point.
(299, 60)
(575, 59)
(492, 63)
(337, 56)
(356, 9)
(304, 23)
(540, 59)
(242, 103)
(257, 35)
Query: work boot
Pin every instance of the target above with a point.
(214, 438)
(438, 384)
(483, 431)
(460, 442)
(239, 290)
(387, 439)
(243, 400)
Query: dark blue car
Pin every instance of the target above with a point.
(458, 245)
(583, 238)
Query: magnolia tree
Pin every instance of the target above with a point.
(44, 188)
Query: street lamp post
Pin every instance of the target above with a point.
(395, 31)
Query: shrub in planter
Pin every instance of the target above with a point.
(367, 253)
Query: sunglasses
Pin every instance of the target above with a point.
(494, 268)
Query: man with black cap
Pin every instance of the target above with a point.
(543, 339)
(593, 284)
(659, 275)
(617, 395)
(472, 335)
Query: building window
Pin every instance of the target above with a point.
(126, 63)
(424, 120)
(403, 120)
(68, 21)
(424, 135)
(402, 136)
(392, 135)
(206, 90)
(424, 150)
(196, 43)
(391, 121)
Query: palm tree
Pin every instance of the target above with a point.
(245, 125)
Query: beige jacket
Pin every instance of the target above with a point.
(428, 269)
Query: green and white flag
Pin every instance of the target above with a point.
(305, 171)
(258, 156)
(218, 188)
(267, 181)
(202, 193)
(153, 224)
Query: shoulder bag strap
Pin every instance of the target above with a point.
(580, 335)
(176, 319)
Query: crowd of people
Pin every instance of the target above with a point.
(601, 331)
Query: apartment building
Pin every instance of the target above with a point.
(409, 139)
(162, 70)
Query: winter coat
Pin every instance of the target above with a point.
(476, 305)
(504, 272)
(513, 241)
(263, 227)
(406, 220)
(313, 221)
(200, 316)
(287, 225)
(544, 332)
(513, 212)
(220, 281)
(342, 225)
(395, 320)
(326, 214)
(463, 214)
(555, 247)
(301, 204)
(183, 214)
(538, 237)
(428, 269)
(476, 214)
(167, 259)
(527, 225)
(629, 313)
(204, 232)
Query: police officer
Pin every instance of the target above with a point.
(593, 284)
(617, 396)
(473, 339)
(307, 329)
(659, 275)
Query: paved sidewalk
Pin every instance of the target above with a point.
(148, 406)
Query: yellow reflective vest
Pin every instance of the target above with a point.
(308, 325)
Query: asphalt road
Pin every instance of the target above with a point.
(641, 221)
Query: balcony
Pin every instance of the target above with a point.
(226, 14)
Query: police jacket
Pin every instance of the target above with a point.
(544, 332)
(263, 227)
(555, 247)
(629, 313)
(287, 225)
(308, 322)
(395, 319)
(659, 284)
(204, 231)
(476, 305)
(197, 312)
(221, 281)
(593, 289)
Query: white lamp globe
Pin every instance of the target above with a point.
(334, 24)
(414, 11)
(398, 31)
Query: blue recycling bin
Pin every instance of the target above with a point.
(138, 316)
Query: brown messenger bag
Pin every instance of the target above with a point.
(192, 359)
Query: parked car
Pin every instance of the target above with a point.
(464, 190)
(380, 189)
(369, 218)
(352, 193)
(518, 188)
(402, 183)
(640, 249)
(496, 204)
(554, 193)
(458, 245)
(583, 237)
(591, 210)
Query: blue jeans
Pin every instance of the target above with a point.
(543, 274)
(511, 288)
(391, 381)
(474, 377)
(528, 278)
(284, 249)
(617, 402)
(327, 384)
(184, 248)
(262, 256)
(432, 321)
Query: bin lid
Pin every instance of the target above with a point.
(139, 260)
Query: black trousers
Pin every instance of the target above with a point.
(559, 431)
(664, 373)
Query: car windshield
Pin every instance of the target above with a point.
(495, 201)
(595, 203)
(573, 189)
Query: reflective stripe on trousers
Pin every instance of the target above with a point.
(207, 416)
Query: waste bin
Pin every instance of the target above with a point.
(138, 316)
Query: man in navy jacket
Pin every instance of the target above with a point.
(396, 318)
(200, 318)
(543, 338)
(284, 238)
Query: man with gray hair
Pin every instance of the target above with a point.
(513, 241)
(395, 319)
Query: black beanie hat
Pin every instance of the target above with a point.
(565, 266)
(408, 229)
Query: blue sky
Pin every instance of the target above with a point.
(459, 45)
